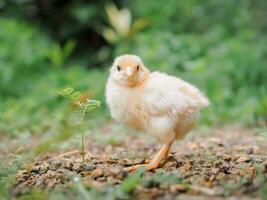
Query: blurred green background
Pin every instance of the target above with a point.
(46, 45)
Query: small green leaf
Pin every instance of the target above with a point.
(66, 92)
(75, 96)
(132, 181)
(68, 48)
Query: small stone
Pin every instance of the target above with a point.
(163, 186)
(178, 188)
(212, 178)
(224, 167)
(125, 162)
(220, 176)
(66, 172)
(51, 183)
(78, 160)
(215, 170)
(22, 172)
(67, 164)
(112, 180)
(44, 167)
(217, 163)
(138, 161)
(185, 167)
(39, 182)
(192, 145)
(97, 173)
(77, 167)
(56, 164)
(35, 168)
(243, 159)
(216, 141)
(22, 175)
(118, 172)
(88, 167)
(101, 179)
(226, 157)
(50, 174)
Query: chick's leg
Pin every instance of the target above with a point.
(162, 154)
(154, 163)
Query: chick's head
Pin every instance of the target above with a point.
(128, 70)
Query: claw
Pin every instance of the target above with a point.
(155, 162)
(134, 167)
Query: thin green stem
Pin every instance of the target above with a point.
(82, 133)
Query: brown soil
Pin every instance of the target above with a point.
(224, 163)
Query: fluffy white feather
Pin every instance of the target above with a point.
(161, 105)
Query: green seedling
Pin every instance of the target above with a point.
(82, 107)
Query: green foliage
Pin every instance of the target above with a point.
(194, 40)
(224, 58)
(220, 46)
(83, 107)
(23, 51)
(28, 81)
(130, 183)
(58, 55)
(9, 166)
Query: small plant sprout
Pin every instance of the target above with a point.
(82, 107)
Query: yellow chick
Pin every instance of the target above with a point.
(159, 104)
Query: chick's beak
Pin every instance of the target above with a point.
(129, 71)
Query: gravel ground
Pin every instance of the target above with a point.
(228, 163)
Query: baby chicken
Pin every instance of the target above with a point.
(161, 105)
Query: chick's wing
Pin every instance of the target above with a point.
(166, 95)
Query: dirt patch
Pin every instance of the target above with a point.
(224, 163)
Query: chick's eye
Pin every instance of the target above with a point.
(137, 67)
(118, 68)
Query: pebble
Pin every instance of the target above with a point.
(43, 167)
(67, 164)
(215, 170)
(88, 167)
(138, 161)
(178, 188)
(55, 164)
(125, 162)
(22, 175)
(243, 159)
(224, 167)
(77, 167)
(50, 174)
(118, 172)
(226, 157)
(171, 164)
(101, 179)
(39, 182)
(220, 176)
(97, 173)
(35, 168)
(185, 167)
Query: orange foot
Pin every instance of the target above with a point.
(155, 162)
(148, 167)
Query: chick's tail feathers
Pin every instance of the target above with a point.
(203, 101)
